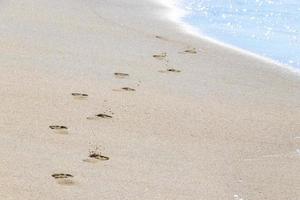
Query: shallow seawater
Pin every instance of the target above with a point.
(270, 28)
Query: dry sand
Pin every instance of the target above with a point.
(225, 126)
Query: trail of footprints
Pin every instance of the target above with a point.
(120, 75)
(164, 57)
(95, 155)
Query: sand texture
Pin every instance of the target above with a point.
(106, 99)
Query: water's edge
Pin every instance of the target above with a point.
(176, 15)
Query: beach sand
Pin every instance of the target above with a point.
(182, 118)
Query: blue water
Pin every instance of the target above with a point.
(270, 28)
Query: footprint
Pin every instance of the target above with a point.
(96, 156)
(59, 129)
(173, 70)
(121, 75)
(80, 95)
(128, 89)
(160, 56)
(190, 51)
(124, 89)
(170, 70)
(64, 179)
(159, 37)
(99, 116)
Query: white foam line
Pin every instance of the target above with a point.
(175, 13)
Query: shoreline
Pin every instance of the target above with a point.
(176, 15)
(104, 99)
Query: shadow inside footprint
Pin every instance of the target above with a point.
(190, 51)
(170, 70)
(128, 89)
(96, 156)
(59, 129)
(63, 179)
(99, 116)
(160, 56)
(80, 95)
(103, 116)
(124, 89)
(121, 75)
(93, 158)
(161, 37)
(173, 70)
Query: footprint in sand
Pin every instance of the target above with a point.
(161, 38)
(128, 89)
(95, 156)
(171, 70)
(59, 129)
(124, 89)
(100, 116)
(64, 179)
(80, 95)
(121, 75)
(190, 51)
(160, 56)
